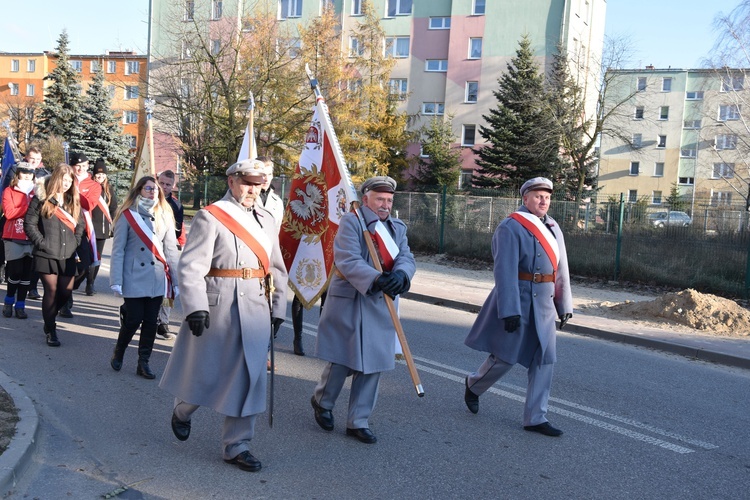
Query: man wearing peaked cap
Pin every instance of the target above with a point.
(517, 321)
(219, 357)
(380, 184)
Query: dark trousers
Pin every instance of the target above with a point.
(141, 312)
(19, 273)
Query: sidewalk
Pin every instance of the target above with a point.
(454, 288)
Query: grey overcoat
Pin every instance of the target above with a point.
(355, 328)
(275, 205)
(225, 368)
(133, 265)
(514, 250)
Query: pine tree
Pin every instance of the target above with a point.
(102, 136)
(520, 146)
(443, 167)
(61, 109)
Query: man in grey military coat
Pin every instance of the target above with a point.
(355, 332)
(517, 321)
(232, 247)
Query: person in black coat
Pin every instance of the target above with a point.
(55, 226)
(101, 216)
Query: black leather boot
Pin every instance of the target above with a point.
(117, 355)
(145, 346)
(297, 343)
(52, 340)
(144, 370)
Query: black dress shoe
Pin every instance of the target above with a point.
(181, 429)
(52, 340)
(471, 399)
(245, 461)
(90, 289)
(544, 428)
(365, 435)
(323, 417)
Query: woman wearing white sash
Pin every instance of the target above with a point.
(55, 225)
(143, 267)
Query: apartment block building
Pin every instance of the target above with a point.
(22, 87)
(449, 53)
(679, 128)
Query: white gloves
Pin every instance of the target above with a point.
(117, 289)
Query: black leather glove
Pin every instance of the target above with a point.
(381, 281)
(276, 322)
(403, 282)
(512, 323)
(564, 319)
(198, 321)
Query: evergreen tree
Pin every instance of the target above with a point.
(102, 136)
(61, 109)
(443, 167)
(520, 146)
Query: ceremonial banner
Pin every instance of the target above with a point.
(317, 201)
(9, 160)
(248, 150)
(145, 164)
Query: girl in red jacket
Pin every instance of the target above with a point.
(18, 247)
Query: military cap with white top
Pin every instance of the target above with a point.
(380, 184)
(250, 170)
(536, 184)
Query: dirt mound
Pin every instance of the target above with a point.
(705, 312)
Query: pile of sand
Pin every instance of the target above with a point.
(705, 312)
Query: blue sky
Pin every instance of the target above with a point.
(676, 33)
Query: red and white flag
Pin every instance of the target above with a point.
(319, 196)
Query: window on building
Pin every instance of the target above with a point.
(664, 113)
(397, 46)
(632, 196)
(472, 91)
(215, 47)
(440, 23)
(666, 84)
(189, 10)
(131, 117)
(356, 7)
(475, 48)
(479, 7)
(355, 48)
(13, 88)
(638, 115)
(354, 86)
(290, 8)
(131, 92)
(468, 135)
(641, 85)
(187, 50)
(295, 47)
(729, 112)
(216, 9)
(433, 108)
(398, 8)
(661, 141)
(421, 151)
(398, 88)
(694, 96)
(719, 198)
(76, 65)
(730, 83)
(440, 65)
(659, 169)
(686, 181)
(185, 88)
(31, 65)
(15, 65)
(692, 124)
(132, 67)
(111, 66)
(132, 141)
(688, 153)
(656, 197)
(635, 167)
(94, 66)
(30, 89)
(726, 141)
(637, 140)
(723, 171)
(111, 90)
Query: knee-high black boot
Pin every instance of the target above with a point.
(297, 324)
(123, 340)
(145, 346)
(90, 278)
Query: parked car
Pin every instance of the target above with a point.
(673, 218)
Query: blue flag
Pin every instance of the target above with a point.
(8, 160)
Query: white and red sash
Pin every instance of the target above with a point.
(92, 237)
(154, 245)
(65, 218)
(245, 227)
(387, 248)
(102, 204)
(532, 223)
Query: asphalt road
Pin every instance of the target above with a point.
(638, 423)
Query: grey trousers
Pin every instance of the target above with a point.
(235, 435)
(537, 389)
(362, 398)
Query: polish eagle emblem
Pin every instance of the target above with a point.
(308, 205)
